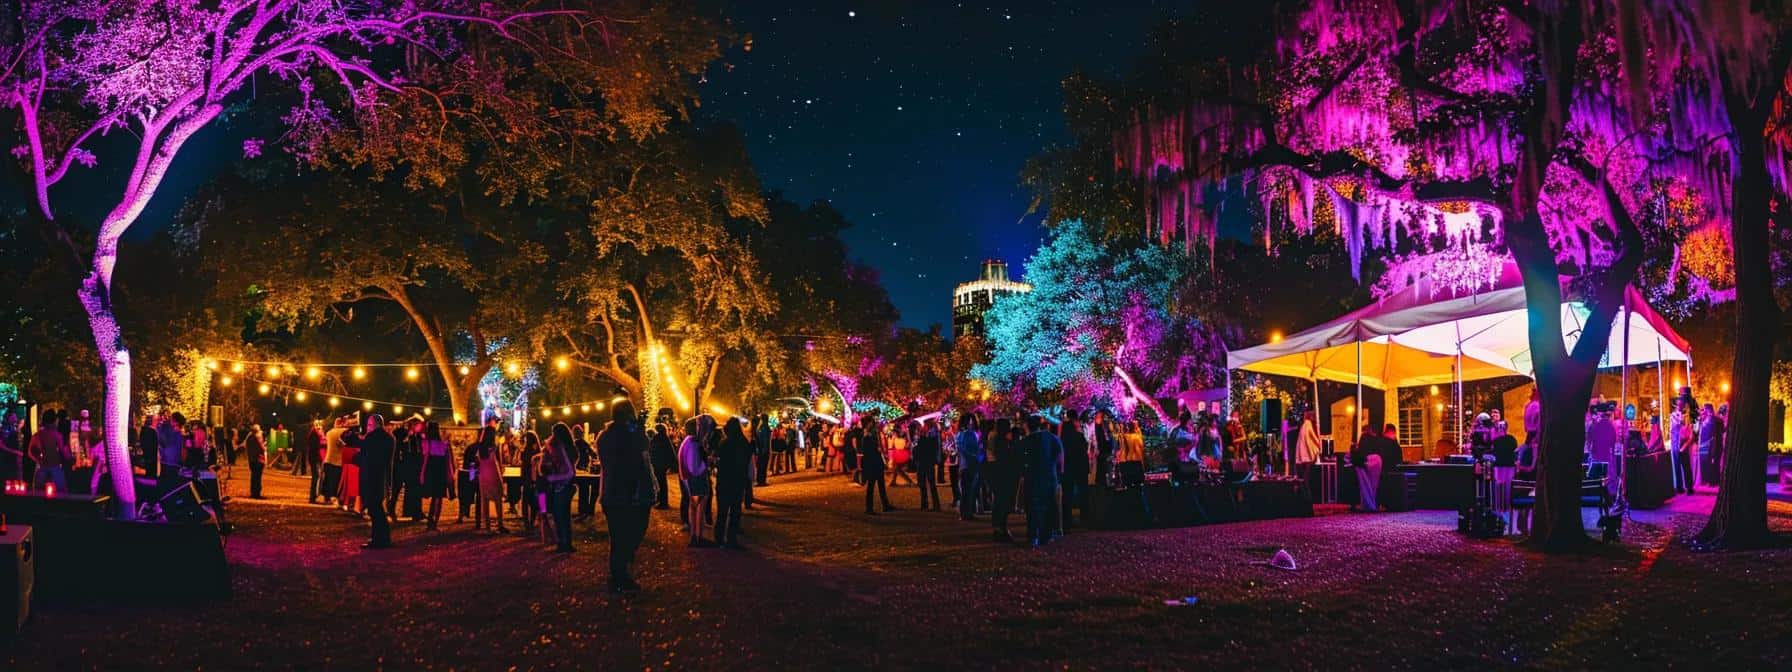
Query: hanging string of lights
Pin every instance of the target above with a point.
(336, 400)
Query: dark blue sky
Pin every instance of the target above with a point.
(914, 119)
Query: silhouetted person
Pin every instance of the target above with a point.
(1041, 452)
(871, 464)
(970, 465)
(1074, 478)
(734, 455)
(626, 493)
(375, 461)
(926, 453)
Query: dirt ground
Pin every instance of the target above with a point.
(821, 586)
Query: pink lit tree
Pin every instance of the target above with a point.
(1536, 129)
(73, 71)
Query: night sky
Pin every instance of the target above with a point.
(914, 119)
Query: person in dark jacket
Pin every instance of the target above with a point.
(377, 448)
(762, 450)
(626, 491)
(1041, 453)
(148, 451)
(665, 461)
(970, 465)
(408, 461)
(1003, 471)
(926, 456)
(584, 459)
(1074, 477)
(871, 464)
(733, 480)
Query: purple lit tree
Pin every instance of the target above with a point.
(160, 71)
(1540, 129)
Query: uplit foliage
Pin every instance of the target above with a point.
(1100, 313)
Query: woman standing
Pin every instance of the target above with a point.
(733, 480)
(349, 497)
(528, 478)
(871, 462)
(434, 475)
(900, 445)
(693, 477)
(491, 478)
(557, 467)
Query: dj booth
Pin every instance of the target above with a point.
(1173, 504)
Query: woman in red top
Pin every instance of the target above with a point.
(350, 496)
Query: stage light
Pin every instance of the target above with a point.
(367, 406)
(312, 372)
(263, 389)
(226, 381)
(359, 373)
(299, 395)
(334, 402)
(273, 371)
(411, 373)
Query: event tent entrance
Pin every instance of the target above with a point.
(1427, 334)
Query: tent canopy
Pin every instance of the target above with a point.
(1412, 337)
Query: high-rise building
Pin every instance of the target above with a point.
(972, 299)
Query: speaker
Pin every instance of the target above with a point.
(182, 505)
(17, 578)
(1269, 416)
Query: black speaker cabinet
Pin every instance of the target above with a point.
(182, 505)
(1270, 416)
(17, 556)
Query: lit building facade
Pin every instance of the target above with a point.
(972, 299)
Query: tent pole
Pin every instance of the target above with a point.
(1356, 423)
(1619, 456)
(1692, 457)
(1661, 407)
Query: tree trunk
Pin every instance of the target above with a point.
(1563, 397)
(461, 389)
(1739, 519)
(115, 359)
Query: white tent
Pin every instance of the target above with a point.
(1429, 335)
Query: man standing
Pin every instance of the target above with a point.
(258, 459)
(50, 450)
(1366, 458)
(375, 461)
(1074, 477)
(332, 485)
(926, 455)
(170, 443)
(408, 442)
(148, 447)
(1042, 452)
(626, 492)
(970, 465)
(734, 456)
(313, 446)
(12, 452)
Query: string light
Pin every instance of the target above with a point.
(211, 364)
(547, 412)
(312, 372)
(584, 408)
(334, 402)
(566, 410)
(561, 363)
(226, 381)
(397, 410)
(299, 395)
(236, 368)
(264, 389)
(411, 373)
(464, 370)
(367, 406)
(359, 373)
(273, 371)
(513, 368)
(427, 410)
